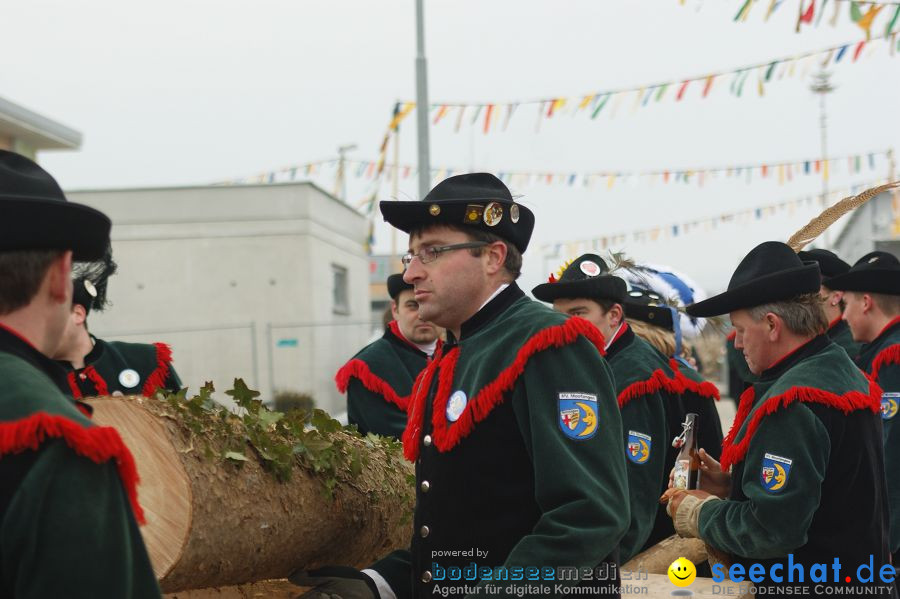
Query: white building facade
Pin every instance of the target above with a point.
(268, 283)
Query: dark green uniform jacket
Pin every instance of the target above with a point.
(517, 442)
(649, 414)
(881, 360)
(807, 467)
(68, 495)
(378, 381)
(126, 368)
(840, 334)
(689, 393)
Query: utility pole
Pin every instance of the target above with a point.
(422, 102)
(822, 85)
(340, 183)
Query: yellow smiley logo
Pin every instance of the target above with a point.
(682, 572)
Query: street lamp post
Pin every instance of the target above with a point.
(422, 102)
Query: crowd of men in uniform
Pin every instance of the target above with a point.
(541, 437)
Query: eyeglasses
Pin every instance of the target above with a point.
(431, 254)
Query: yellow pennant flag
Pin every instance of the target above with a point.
(402, 114)
(866, 21)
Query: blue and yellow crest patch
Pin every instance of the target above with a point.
(637, 448)
(889, 405)
(578, 415)
(775, 472)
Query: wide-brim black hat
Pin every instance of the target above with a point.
(396, 284)
(648, 306)
(35, 215)
(876, 272)
(771, 272)
(588, 277)
(829, 263)
(477, 200)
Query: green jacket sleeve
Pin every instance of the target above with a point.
(580, 485)
(772, 523)
(69, 532)
(889, 381)
(372, 413)
(644, 415)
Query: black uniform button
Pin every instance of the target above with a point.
(425, 486)
(427, 440)
(426, 576)
(424, 531)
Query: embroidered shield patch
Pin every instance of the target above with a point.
(637, 448)
(775, 472)
(578, 415)
(889, 405)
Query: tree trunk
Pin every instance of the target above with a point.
(658, 558)
(213, 522)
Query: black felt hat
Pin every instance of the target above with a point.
(648, 306)
(587, 276)
(90, 281)
(477, 200)
(771, 272)
(396, 284)
(829, 263)
(876, 272)
(35, 215)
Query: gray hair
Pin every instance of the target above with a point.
(802, 315)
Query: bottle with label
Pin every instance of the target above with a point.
(687, 464)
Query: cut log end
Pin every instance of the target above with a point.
(164, 491)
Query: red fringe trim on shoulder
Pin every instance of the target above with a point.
(157, 378)
(658, 380)
(682, 384)
(100, 388)
(491, 395)
(848, 402)
(96, 443)
(889, 355)
(358, 369)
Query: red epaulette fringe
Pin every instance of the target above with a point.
(682, 384)
(658, 380)
(358, 369)
(491, 395)
(96, 443)
(157, 378)
(889, 355)
(848, 402)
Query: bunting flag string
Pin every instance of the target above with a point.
(668, 232)
(496, 115)
(781, 172)
(810, 13)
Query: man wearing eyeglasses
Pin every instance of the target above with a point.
(513, 427)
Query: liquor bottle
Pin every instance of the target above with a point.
(687, 464)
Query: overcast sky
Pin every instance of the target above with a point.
(193, 92)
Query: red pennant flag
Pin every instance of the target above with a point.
(859, 49)
(487, 117)
(708, 86)
(807, 17)
(681, 90)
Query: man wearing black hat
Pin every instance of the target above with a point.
(95, 367)
(806, 482)
(68, 499)
(585, 288)
(872, 297)
(513, 426)
(379, 378)
(832, 266)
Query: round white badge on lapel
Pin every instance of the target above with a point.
(129, 378)
(456, 405)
